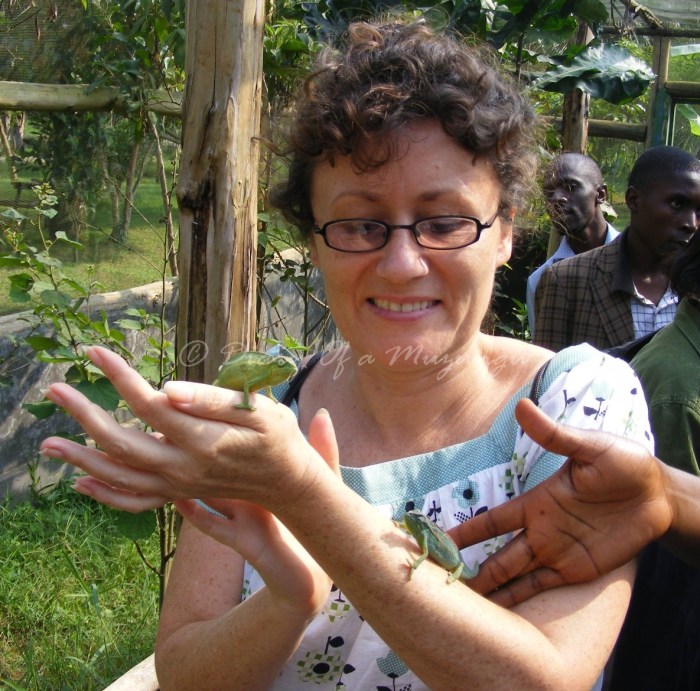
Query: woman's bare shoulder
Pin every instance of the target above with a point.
(513, 357)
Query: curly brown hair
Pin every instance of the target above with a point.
(385, 76)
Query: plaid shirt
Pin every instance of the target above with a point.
(587, 299)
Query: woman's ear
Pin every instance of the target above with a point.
(505, 244)
(313, 251)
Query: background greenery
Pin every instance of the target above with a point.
(77, 605)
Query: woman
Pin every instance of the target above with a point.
(427, 150)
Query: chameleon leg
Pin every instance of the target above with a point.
(268, 390)
(246, 399)
(455, 573)
(422, 543)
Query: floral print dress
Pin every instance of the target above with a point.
(582, 387)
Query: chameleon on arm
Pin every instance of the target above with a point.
(436, 544)
(250, 371)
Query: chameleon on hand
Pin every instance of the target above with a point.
(438, 545)
(250, 371)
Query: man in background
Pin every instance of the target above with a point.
(574, 194)
(619, 293)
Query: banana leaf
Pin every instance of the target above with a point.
(608, 72)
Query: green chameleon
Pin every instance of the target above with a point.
(438, 545)
(250, 371)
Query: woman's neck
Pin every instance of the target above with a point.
(382, 412)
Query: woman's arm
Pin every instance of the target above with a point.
(443, 632)
(207, 638)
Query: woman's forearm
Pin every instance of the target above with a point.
(243, 649)
(444, 632)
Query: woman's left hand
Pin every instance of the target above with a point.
(208, 447)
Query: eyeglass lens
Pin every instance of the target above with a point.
(358, 235)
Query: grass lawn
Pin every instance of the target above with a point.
(113, 266)
(78, 607)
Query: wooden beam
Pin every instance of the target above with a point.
(607, 128)
(689, 90)
(647, 31)
(78, 97)
(217, 188)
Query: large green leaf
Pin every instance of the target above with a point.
(136, 526)
(100, 392)
(608, 72)
(692, 116)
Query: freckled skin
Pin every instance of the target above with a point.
(251, 371)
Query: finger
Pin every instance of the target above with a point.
(169, 413)
(124, 501)
(212, 402)
(524, 588)
(220, 526)
(109, 470)
(322, 438)
(117, 441)
(567, 441)
(514, 560)
(499, 520)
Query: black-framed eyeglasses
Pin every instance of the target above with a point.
(437, 233)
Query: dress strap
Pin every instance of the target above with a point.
(535, 391)
(292, 392)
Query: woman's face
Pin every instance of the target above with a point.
(404, 304)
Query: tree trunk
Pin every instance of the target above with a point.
(218, 184)
(165, 194)
(120, 232)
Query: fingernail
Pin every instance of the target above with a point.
(55, 396)
(178, 391)
(80, 488)
(48, 449)
(95, 355)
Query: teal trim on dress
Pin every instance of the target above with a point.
(404, 479)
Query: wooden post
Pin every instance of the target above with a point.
(574, 134)
(574, 127)
(659, 102)
(218, 184)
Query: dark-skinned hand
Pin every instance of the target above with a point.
(595, 514)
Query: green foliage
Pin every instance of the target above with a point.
(607, 72)
(518, 316)
(63, 329)
(78, 606)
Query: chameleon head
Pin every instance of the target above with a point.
(284, 366)
(413, 520)
(254, 370)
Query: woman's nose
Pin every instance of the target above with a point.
(402, 258)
